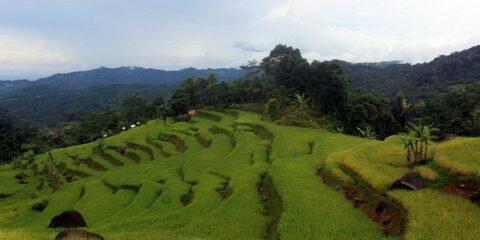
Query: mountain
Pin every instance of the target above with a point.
(51, 99)
(122, 75)
(48, 105)
(419, 81)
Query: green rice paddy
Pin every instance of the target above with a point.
(234, 176)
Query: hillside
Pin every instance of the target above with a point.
(122, 75)
(441, 75)
(234, 176)
(48, 105)
(50, 100)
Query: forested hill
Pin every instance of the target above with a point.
(128, 75)
(48, 105)
(443, 74)
(122, 75)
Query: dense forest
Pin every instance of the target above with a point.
(48, 105)
(420, 81)
(284, 87)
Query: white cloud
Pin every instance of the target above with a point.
(178, 34)
(16, 49)
(407, 30)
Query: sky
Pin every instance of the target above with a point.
(42, 37)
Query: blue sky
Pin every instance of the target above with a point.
(39, 38)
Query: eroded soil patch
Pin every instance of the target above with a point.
(179, 143)
(465, 188)
(217, 130)
(387, 214)
(273, 206)
(107, 157)
(90, 163)
(204, 142)
(39, 207)
(141, 148)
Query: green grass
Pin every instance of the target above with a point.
(163, 181)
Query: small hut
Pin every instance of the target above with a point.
(192, 112)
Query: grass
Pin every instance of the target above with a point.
(426, 173)
(201, 180)
(433, 215)
(459, 156)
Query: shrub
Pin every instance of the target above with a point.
(272, 109)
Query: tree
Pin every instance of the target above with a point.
(328, 87)
(179, 102)
(416, 142)
(134, 108)
(367, 132)
(272, 109)
(369, 110)
(281, 64)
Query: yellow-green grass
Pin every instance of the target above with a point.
(460, 156)
(378, 163)
(434, 215)
(426, 173)
(181, 195)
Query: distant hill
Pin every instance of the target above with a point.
(48, 105)
(51, 99)
(121, 75)
(419, 81)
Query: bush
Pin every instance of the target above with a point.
(272, 109)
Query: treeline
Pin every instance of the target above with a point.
(294, 92)
(289, 90)
(285, 88)
(420, 81)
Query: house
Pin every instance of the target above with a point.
(192, 112)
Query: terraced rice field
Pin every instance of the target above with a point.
(233, 176)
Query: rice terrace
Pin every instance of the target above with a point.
(239, 120)
(231, 175)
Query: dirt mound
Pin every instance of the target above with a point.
(4, 195)
(77, 234)
(468, 189)
(385, 215)
(68, 219)
(411, 181)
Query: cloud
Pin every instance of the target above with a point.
(247, 47)
(41, 39)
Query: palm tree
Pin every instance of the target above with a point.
(367, 133)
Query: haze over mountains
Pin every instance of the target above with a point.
(121, 75)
